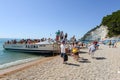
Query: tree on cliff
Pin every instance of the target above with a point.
(113, 23)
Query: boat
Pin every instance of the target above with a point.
(39, 47)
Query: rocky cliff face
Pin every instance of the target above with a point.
(98, 33)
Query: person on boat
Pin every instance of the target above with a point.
(61, 35)
(58, 35)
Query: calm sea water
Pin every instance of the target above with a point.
(9, 58)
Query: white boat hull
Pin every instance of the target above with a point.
(46, 48)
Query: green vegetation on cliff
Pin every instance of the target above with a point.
(113, 23)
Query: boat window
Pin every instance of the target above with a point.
(36, 46)
(31, 46)
(41, 45)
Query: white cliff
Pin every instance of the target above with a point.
(99, 33)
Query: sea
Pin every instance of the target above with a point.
(10, 58)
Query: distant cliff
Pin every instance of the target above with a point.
(97, 33)
(109, 28)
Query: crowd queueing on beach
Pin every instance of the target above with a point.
(73, 50)
(73, 47)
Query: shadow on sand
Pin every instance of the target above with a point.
(84, 61)
(83, 52)
(99, 58)
(73, 64)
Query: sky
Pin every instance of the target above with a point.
(42, 18)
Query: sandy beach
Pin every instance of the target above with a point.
(105, 66)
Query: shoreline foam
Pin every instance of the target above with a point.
(18, 62)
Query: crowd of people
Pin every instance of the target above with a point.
(60, 36)
(112, 44)
(74, 49)
(27, 41)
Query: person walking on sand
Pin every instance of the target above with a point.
(75, 52)
(92, 50)
(63, 52)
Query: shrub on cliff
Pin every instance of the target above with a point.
(113, 23)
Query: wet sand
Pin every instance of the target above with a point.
(104, 66)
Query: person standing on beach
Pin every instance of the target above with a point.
(115, 44)
(63, 52)
(61, 35)
(110, 43)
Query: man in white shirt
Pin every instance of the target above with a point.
(63, 52)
